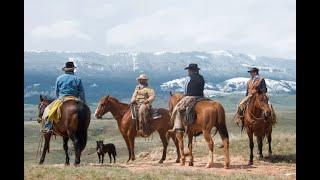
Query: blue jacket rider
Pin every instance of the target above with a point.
(67, 84)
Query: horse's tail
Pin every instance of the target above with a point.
(84, 116)
(221, 125)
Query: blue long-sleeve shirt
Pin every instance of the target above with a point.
(69, 84)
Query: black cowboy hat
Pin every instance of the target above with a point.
(193, 67)
(253, 70)
(69, 66)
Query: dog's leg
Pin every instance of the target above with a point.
(109, 153)
(99, 158)
(102, 158)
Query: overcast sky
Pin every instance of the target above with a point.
(257, 27)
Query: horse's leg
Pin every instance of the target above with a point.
(76, 146)
(259, 142)
(179, 136)
(269, 142)
(164, 141)
(190, 137)
(128, 146)
(176, 143)
(131, 145)
(65, 147)
(225, 140)
(250, 135)
(207, 136)
(45, 147)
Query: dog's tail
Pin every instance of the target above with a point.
(115, 152)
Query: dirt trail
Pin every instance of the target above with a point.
(238, 165)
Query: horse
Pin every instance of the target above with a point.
(122, 113)
(257, 121)
(209, 114)
(74, 122)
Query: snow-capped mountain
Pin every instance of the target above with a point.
(115, 73)
(232, 86)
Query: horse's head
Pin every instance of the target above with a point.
(261, 102)
(103, 107)
(174, 99)
(44, 102)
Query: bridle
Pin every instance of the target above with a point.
(41, 107)
(252, 116)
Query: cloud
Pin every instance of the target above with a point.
(58, 30)
(248, 26)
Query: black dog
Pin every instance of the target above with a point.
(106, 148)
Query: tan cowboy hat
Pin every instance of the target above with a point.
(69, 66)
(142, 76)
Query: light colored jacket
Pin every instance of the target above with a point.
(142, 94)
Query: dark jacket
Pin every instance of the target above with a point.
(195, 86)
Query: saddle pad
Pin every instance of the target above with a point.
(53, 109)
(190, 111)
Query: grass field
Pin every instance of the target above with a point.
(281, 165)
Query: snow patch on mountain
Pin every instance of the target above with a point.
(232, 86)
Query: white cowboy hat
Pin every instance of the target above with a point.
(142, 76)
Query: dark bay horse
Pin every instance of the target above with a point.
(257, 121)
(122, 113)
(74, 122)
(209, 114)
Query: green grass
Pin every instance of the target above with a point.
(284, 153)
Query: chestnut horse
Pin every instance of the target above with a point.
(209, 114)
(258, 121)
(122, 113)
(74, 122)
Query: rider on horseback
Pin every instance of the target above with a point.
(143, 96)
(67, 84)
(194, 87)
(256, 84)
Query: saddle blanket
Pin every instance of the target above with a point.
(190, 110)
(53, 112)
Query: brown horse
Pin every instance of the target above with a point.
(74, 122)
(209, 114)
(122, 113)
(257, 121)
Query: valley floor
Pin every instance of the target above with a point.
(282, 165)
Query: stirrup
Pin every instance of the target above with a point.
(46, 130)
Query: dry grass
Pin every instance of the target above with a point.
(148, 151)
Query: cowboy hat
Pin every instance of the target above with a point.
(192, 67)
(69, 66)
(142, 76)
(253, 70)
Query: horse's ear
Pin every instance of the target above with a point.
(41, 98)
(108, 96)
(171, 93)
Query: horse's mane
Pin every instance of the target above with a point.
(116, 100)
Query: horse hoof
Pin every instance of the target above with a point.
(260, 158)
(227, 166)
(40, 163)
(66, 164)
(209, 165)
(161, 161)
(250, 163)
(190, 163)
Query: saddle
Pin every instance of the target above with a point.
(190, 114)
(152, 115)
(54, 112)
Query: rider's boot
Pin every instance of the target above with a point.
(47, 127)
